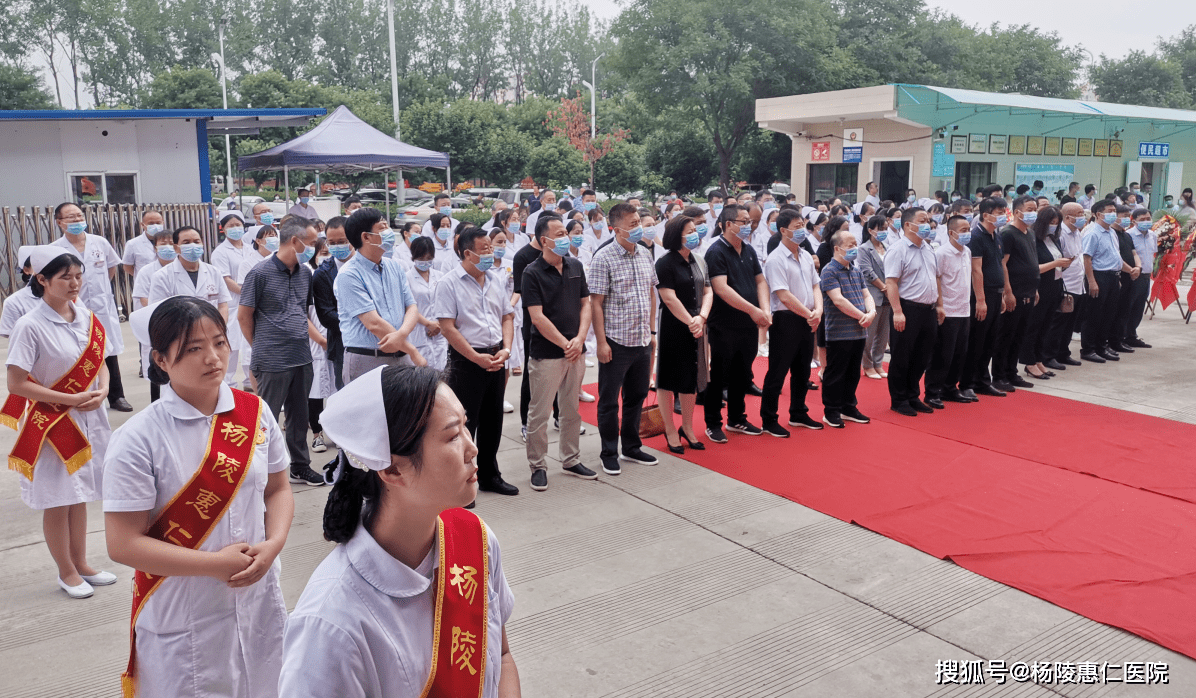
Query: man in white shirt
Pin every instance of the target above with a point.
(954, 315)
(873, 196)
(1063, 324)
(443, 204)
(497, 207)
(303, 208)
(547, 203)
(911, 286)
(140, 250)
(1088, 198)
(1146, 244)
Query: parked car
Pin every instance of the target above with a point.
(423, 210)
(245, 204)
(515, 197)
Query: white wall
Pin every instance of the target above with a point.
(35, 157)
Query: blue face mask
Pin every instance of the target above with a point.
(308, 252)
(388, 240)
(513, 228)
(423, 264)
(577, 240)
(772, 227)
(895, 227)
(446, 210)
(167, 253)
(485, 262)
(266, 218)
(1125, 223)
(881, 235)
(272, 243)
(911, 198)
(769, 205)
(500, 252)
(443, 234)
(965, 238)
(1143, 226)
(76, 228)
(550, 207)
(1002, 220)
(701, 229)
(304, 199)
(1029, 217)
(1110, 218)
(968, 216)
(598, 226)
(234, 233)
(924, 231)
(192, 251)
(154, 228)
(745, 231)
(589, 205)
(341, 251)
(649, 233)
(850, 255)
(693, 241)
(718, 208)
(636, 234)
(561, 246)
(936, 217)
(799, 235)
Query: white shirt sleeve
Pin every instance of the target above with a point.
(22, 345)
(129, 480)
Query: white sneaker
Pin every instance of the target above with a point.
(507, 407)
(99, 579)
(318, 445)
(82, 591)
(586, 397)
(590, 363)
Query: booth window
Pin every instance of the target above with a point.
(970, 176)
(104, 188)
(830, 181)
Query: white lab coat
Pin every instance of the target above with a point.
(16, 307)
(434, 349)
(196, 636)
(173, 280)
(96, 293)
(47, 347)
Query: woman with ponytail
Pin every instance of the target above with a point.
(197, 501)
(409, 556)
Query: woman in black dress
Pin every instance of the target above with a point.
(1051, 263)
(685, 291)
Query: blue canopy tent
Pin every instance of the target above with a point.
(344, 144)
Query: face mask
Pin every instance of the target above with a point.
(549, 207)
(76, 228)
(577, 240)
(701, 230)
(322, 258)
(599, 226)
(911, 198)
(341, 251)
(881, 235)
(500, 252)
(443, 234)
(1002, 220)
(965, 238)
(1125, 222)
(513, 228)
(266, 219)
(234, 233)
(937, 217)
(1109, 218)
(769, 205)
(924, 231)
(192, 251)
(446, 210)
(167, 254)
(388, 240)
(304, 199)
(424, 264)
(1052, 228)
(692, 241)
(154, 228)
(308, 252)
(895, 227)
(272, 243)
(955, 198)
(1143, 226)
(799, 235)
(850, 255)
(1029, 217)
(968, 216)
(772, 227)
(745, 231)
(485, 261)
(718, 208)
(561, 246)
(636, 234)
(590, 205)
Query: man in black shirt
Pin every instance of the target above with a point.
(988, 285)
(525, 256)
(1020, 262)
(740, 294)
(1125, 245)
(555, 296)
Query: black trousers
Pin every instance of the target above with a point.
(1062, 325)
(790, 349)
(525, 386)
(481, 394)
(1037, 341)
(116, 387)
(982, 339)
(1098, 317)
(1009, 339)
(909, 351)
(732, 351)
(841, 376)
(289, 390)
(1125, 300)
(1140, 293)
(315, 407)
(626, 373)
(948, 357)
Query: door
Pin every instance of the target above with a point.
(893, 178)
(1175, 179)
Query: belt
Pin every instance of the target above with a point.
(489, 350)
(904, 303)
(375, 352)
(1106, 271)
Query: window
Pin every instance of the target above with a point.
(104, 187)
(970, 176)
(830, 181)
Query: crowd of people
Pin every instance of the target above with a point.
(396, 347)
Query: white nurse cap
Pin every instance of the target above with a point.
(42, 255)
(355, 418)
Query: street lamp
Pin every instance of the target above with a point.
(394, 96)
(228, 149)
(593, 96)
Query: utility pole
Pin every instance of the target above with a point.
(394, 93)
(228, 148)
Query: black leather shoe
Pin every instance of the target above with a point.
(1054, 365)
(1044, 377)
(1093, 357)
(989, 390)
(920, 406)
(1109, 355)
(811, 385)
(1121, 348)
(1109, 350)
(1004, 387)
(754, 391)
(121, 405)
(1019, 382)
(904, 409)
(1068, 361)
(1135, 342)
(970, 395)
(498, 486)
(952, 396)
(936, 403)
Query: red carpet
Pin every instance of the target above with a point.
(1087, 507)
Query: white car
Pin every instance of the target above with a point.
(245, 204)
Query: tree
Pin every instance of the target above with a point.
(1180, 51)
(571, 122)
(22, 89)
(1140, 79)
(681, 154)
(556, 163)
(183, 88)
(622, 169)
(765, 157)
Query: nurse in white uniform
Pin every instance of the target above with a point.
(363, 627)
(227, 258)
(18, 304)
(46, 344)
(189, 275)
(423, 278)
(214, 624)
(265, 243)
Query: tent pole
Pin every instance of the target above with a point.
(401, 187)
(448, 176)
(386, 191)
(286, 182)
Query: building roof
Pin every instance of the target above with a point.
(1051, 104)
(220, 121)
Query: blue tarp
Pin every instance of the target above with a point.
(342, 143)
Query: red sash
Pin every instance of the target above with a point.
(192, 513)
(462, 608)
(49, 422)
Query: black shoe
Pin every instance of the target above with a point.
(120, 405)
(935, 403)
(903, 408)
(990, 390)
(754, 391)
(675, 449)
(951, 396)
(1093, 357)
(1108, 355)
(1019, 382)
(498, 486)
(1054, 365)
(920, 406)
(805, 421)
(744, 427)
(832, 420)
(1108, 350)
(852, 414)
(811, 385)
(1004, 386)
(471, 505)
(1043, 377)
(716, 435)
(776, 430)
(637, 455)
(304, 475)
(1068, 361)
(970, 395)
(540, 480)
(1121, 348)
(610, 466)
(577, 470)
(692, 443)
(1135, 342)
(677, 407)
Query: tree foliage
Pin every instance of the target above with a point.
(22, 89)
(1141, 79)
